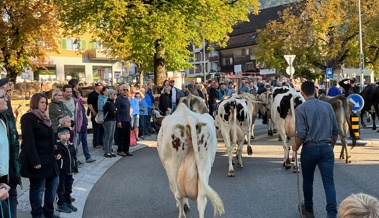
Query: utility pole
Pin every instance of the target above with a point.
(205, 79)
(361, 57)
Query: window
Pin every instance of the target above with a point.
(245, 52)
(99, 45)
(227, 61)
(72, 44)
(250, 66)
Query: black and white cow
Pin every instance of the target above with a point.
(283, 115)
(233, 120)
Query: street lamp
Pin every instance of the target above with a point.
(361, 60)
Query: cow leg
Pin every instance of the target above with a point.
(345, 150)
(363, 124)
(182, 204)
(239, 155)
(270, 128)
(373, 121)
(252, 131)
(249, 149)
(230, 161)
(201, 201)
(286, 159)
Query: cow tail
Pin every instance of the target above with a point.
(217, 203)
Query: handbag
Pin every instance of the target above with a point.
(133, 139)
(100, 117)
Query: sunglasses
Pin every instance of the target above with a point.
(125, 90)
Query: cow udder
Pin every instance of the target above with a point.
(187, 177)
(289, 126)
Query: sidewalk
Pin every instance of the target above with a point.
(84, 181)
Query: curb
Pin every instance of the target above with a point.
(84, 181)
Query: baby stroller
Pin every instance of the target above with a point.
(157, 118)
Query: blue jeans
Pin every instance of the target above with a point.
(142, 125)
(65, 188)
(82, 137)
(39, 187)
(109, 129)
(148, 123)
(98, 133)
(173, 107)
(323, 156)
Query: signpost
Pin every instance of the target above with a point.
(357, 102)
(290, 70)
(329, 72)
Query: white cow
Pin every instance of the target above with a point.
(252, 105)
(187, 147)
(283, 115)
(233, 120)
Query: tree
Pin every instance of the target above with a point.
(155, 34)
(27, 29)
(322, 34)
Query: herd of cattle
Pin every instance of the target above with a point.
(187, 140)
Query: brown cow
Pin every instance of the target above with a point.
(342, 108)
(195, 104)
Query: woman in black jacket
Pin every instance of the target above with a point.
(109, 123)
(38, 162)
(165, 100)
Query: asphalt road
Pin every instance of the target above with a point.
(137, 187)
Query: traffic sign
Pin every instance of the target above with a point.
(357, 102)
(289, 59)
(290, 70)
(117, 74)
(329, 72)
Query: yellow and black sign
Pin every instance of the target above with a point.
(355, 124)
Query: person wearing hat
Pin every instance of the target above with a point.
(92, 101)
(67, 168)
(57, 108)
(38, 161)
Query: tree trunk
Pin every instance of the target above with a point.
(11, 74)
(159, 65)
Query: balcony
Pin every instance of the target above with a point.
(99, 54)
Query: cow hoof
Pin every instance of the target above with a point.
(363, 125)
(252, 137)
(342, 157)
(249, 150)
(270, 133)
(186, 208)
(233, 162)
(231, 173)
(239, 165)
(275, 131)
(373, 127)
(279, 139)
(293, 159)
(287, 167)
(295, 170)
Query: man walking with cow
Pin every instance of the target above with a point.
(317, 131)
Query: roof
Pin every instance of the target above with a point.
(245, 33)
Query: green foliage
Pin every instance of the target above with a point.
(27, 29)
(154, 33)
(321, 34)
